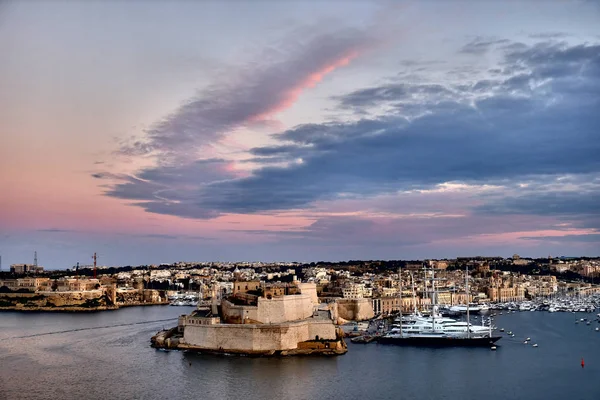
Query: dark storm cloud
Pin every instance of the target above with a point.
(541, 120)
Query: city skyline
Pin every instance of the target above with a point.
(298, 131)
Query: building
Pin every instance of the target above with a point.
(393, 304)
(502, 290)
(21, 269)
(356, 291)
(263, 319)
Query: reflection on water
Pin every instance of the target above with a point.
(107, 356)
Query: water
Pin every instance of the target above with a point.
(116, 362)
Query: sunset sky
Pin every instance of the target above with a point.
(163, 131)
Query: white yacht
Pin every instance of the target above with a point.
(439, 331)
(462, 308)
(416, 325)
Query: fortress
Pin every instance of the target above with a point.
(259, 319)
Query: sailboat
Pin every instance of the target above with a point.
(436, 330)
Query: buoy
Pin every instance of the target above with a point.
(582, 363)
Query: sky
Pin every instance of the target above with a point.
(153, 132)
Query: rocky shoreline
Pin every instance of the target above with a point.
(75, 309)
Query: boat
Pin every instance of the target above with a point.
(363, 339)
(462, 308)
(436, 330)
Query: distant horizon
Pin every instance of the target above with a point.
(298, 130)
(101, 266)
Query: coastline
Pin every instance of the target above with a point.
(77, 309)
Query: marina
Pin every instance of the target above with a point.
(125, 366)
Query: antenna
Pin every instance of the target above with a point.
(94, 257)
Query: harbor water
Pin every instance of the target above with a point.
(107, 356)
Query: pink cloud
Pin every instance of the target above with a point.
(291, 96)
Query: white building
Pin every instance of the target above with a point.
(356, 291)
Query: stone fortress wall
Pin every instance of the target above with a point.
(354, 309)
(269, 311)
(257, 337)
(279, 323)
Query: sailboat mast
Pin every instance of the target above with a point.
(433, 299)
(400, 288)
(414, 295)
(467, 293)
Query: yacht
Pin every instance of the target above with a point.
(462, 308)
(436, 330)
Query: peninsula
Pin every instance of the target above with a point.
(259, 319)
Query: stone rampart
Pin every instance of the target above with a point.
(284, 309)
(269, 311)
(237, 314)
(257, 337)
(355, 309)
(310, 289)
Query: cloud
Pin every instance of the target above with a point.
(536, 120)
(568, 198)
(392, 231)
(170, 190)
(393, 93)
(159, 236)
(586, 238)
(549, 35)
(254, 95)
(481, 45)
(55, 230)
(165, 236)
(523, 125)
